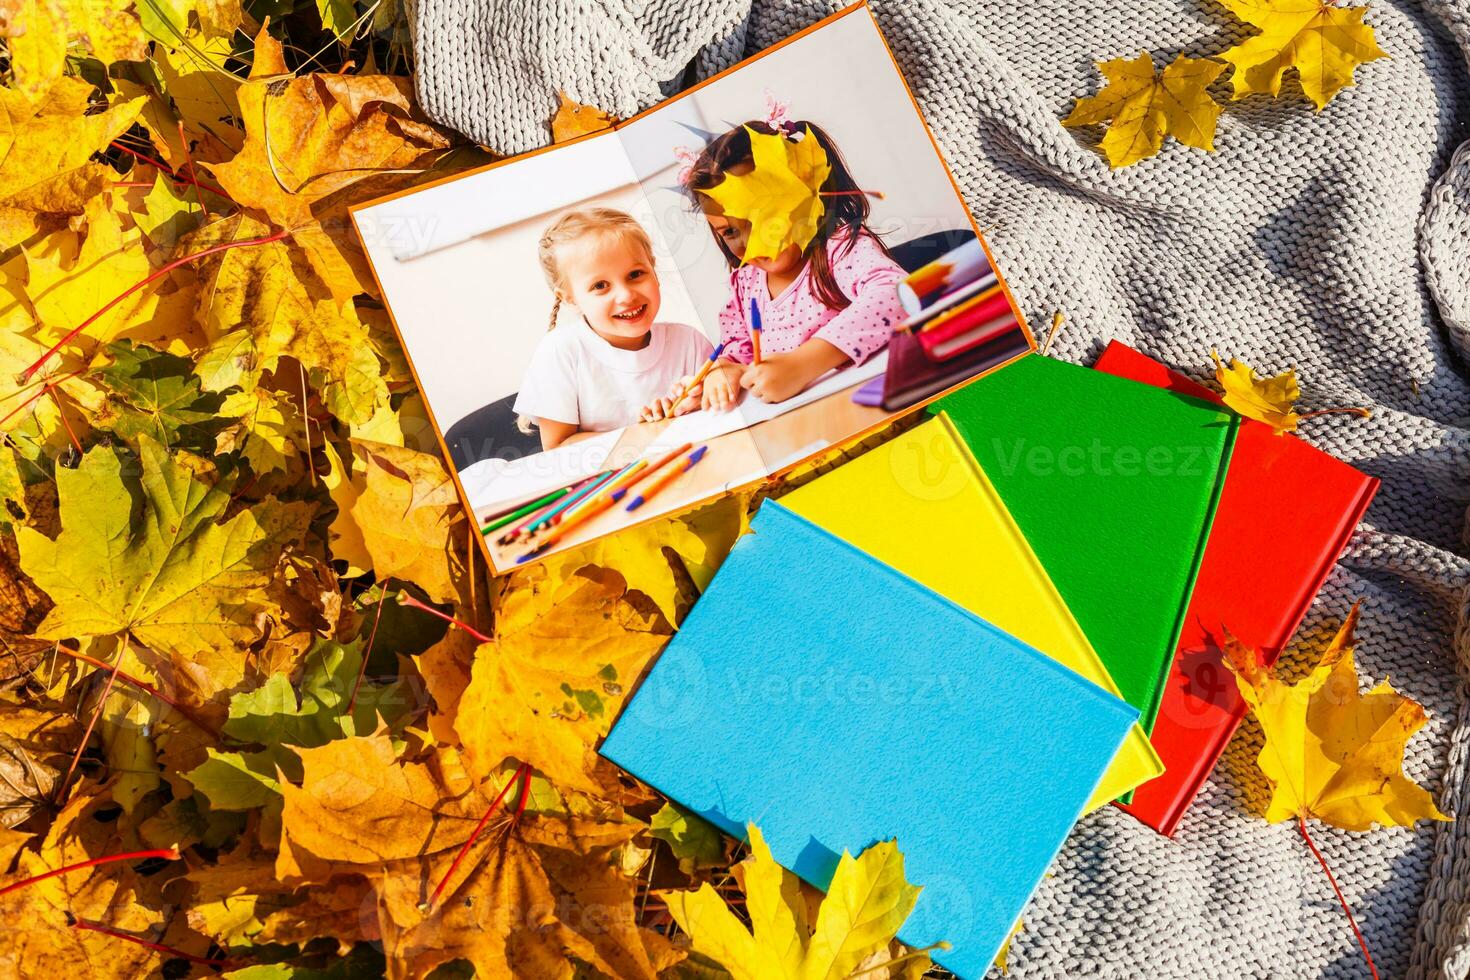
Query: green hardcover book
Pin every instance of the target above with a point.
(1114, 484)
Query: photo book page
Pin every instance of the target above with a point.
(769, 264)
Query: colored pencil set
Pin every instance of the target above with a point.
(547, 520)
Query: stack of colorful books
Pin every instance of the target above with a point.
(1005, 617)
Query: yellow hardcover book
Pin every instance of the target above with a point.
(921, 504)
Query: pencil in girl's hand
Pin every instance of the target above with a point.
(755, 331)
(667, 478)
(699, 377)
(651, 469)
(520, 512)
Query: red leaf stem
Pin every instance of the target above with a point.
(362, 667)
(156, 947)
(1301, 823)
(408, 599)
(169, 854)
(165, 270)
(87, 735)
(168, 172)
(521, 771)
(141, 685)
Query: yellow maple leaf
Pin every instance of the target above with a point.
(566, 652)
(1331, 753)
(39, 31)
(867, 903)
(1323, 42)
(38, 941)
(1268, 400)
(269, 289)
(76, 274)
(1144, 106)
(46, 145)
(146, 557)
(409, 514)
(780, 197)
(574, 119)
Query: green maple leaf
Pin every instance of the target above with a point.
(156, 393)
(146, 557)
(695, 842)
(283, 717)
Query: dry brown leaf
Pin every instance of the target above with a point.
(574, 119)
(512, 905)
(316, 144)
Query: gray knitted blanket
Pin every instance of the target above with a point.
(1337, 241)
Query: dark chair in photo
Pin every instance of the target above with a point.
(917, 252)
(490, 432)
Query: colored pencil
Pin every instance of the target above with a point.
(755, 331)
(651, 469)
(520, 512)
(570, 501)
(667, 478)
(624, 476)
(698, 378)
(582, 515)
(530, 520)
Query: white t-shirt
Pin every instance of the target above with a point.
(578, 378)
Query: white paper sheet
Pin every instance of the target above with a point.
(702, 426)
(498, 484)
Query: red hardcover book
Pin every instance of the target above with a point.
(1285, 514)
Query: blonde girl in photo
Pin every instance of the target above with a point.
(609, 366)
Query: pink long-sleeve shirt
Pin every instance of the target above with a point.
(865, 275)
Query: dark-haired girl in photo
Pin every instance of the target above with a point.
(828, 305)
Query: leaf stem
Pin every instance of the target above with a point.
(61, 414)
(1362, 413)
(156, 947)
(169, 854)
(1301, 823)
(165, 270)
(409, 599)
(194, 173)
(141, 685)
(45, 387)
(169, 173)
(91, 724)
(362, 667)
(475, 834)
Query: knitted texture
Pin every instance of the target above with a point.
(1338, 241)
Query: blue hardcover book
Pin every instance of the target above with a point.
(833, 702)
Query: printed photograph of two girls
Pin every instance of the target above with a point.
(693, 301)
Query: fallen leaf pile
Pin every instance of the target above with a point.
(1322, 42)
(261, 709)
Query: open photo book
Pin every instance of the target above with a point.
(625, 325)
